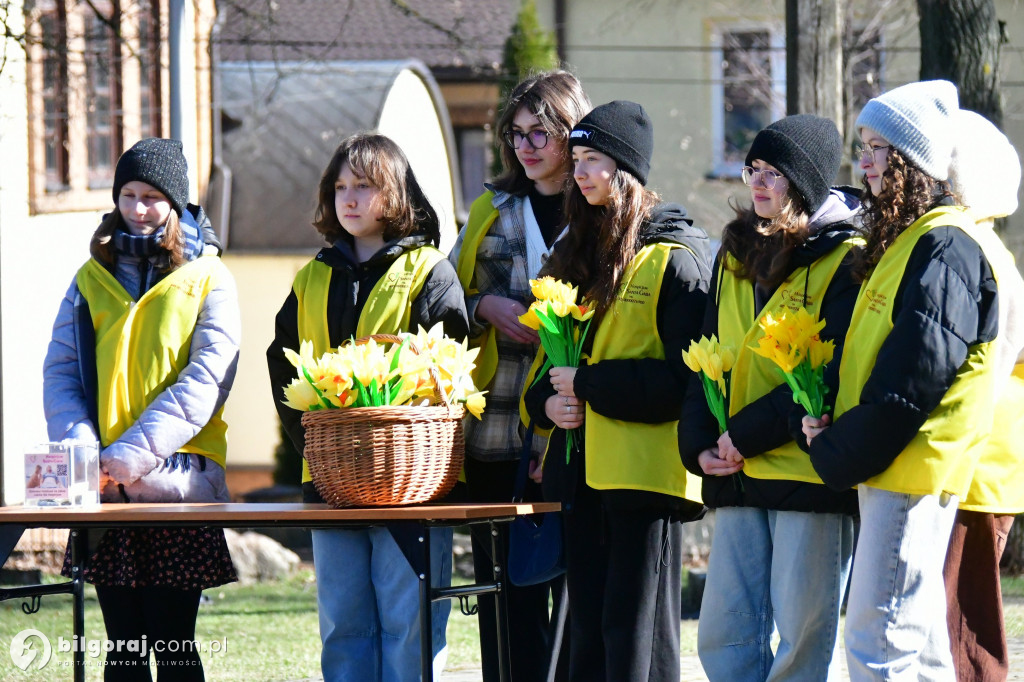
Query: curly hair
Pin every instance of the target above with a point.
(405, 208)
(907, 194)
(173, 240)
(763, 247)
(596, 264)
(557, 99)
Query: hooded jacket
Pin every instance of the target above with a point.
(179, 412)
(643, 390)
(441, 300)
(764, 424)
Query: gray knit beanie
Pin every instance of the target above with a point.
(159, 162)
(916, 119)
(807, 150)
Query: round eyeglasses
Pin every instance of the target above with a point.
(536, 138)
(765, 178)
(869, 153)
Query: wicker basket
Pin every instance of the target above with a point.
(384, 456)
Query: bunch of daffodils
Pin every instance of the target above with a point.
(562, 325)
(371, 374)
(713, 362)
(791, 341)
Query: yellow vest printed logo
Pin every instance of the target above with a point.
(754, 376)
(388, 307)
(943, 454)
(632, 455)
(142, 346)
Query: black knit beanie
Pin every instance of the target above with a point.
(159, 162)
(623, 131)
(806, 149)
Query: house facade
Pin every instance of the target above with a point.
(711, 74)
(93, 78)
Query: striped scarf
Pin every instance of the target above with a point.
(151, 245)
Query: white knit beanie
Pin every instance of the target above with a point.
(916, 119)
(985, 171)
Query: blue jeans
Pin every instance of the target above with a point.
(896, 614)
(368, 601)
(774, 568)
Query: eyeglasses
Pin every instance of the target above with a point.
(766, 178)
(536, 138)
(867, 152)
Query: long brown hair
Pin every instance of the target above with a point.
(907, 194)
(763, 247)
(405, 208)
(602, 240)
(557, 99)
(173, 240)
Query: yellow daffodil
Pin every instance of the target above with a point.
(821, 352)
(791, 341)
(303, 358)
(300, 395)
(551, 289)
(372, 374)
(475, 403)
(713, 362)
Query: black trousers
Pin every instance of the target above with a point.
(528, 615)
(624, 569)
(166, 617)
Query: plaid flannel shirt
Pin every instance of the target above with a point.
(501, 270)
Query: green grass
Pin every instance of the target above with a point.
(267, 632)
(271, 631)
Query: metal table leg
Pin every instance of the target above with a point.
(500, 603)
(79, 550)
(426, 615)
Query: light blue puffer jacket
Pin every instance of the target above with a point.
(141, 459)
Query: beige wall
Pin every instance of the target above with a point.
(263, 284)
(675, 87)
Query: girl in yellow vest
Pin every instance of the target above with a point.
(985, 174)
(382, 273)
(624, 491)
(142, 358)
(510, 231)
(780, 556)
(915, 385)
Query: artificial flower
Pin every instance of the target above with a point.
(792, 342)
(562, 324)
(713, 362)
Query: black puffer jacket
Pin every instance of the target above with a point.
(441, 300)
(640, 390)
(764, 424)
(946, 303)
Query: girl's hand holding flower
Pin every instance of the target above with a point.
(562, 379)
(727, 451)
(712, 464)
(565, 412)
(812, 426)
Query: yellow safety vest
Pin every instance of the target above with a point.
(942, 456)
(388, 307)
(481, 216)
(998, 483)
(142, 346)
(633, 455)
(753, 376)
